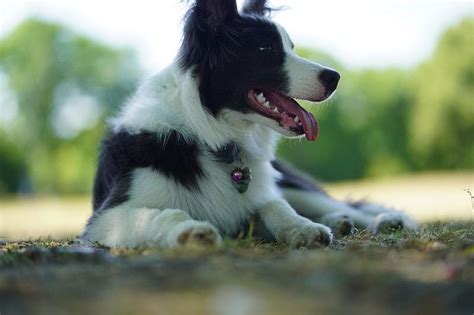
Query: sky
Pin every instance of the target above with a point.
(359, 33)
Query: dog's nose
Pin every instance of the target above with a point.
(330, 79)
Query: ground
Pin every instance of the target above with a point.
(430, 272)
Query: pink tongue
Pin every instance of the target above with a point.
(310, 124)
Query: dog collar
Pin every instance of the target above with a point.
(241, 175)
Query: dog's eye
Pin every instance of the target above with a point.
(267, 47)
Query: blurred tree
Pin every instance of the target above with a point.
(64, 85)
(12, 165)
(442, 120)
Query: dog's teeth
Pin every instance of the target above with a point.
(261, 98)
(266, 104)
(296, 119)
(275, 110)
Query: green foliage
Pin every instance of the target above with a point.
(442, 121)
(12, 165)
(56, 73)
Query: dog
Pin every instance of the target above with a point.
(191, 156)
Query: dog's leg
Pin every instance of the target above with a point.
(342, 216)
(310, 200)
(125, 227)
(286, 225)
(384, 218)
(319, 207)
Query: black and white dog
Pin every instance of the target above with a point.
(191, 155)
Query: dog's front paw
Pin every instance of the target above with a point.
(194, 234)
(390, 221)
(307, 234)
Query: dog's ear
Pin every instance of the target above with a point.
(215, 13)
(258, 7)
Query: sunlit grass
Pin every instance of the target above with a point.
(26, 218)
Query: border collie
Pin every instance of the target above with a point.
(190, 158)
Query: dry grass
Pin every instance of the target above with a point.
(57, 217)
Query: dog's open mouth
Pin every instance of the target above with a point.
(285, 111)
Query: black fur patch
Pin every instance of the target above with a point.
(231, 54)
(295, 179)
(122, 152)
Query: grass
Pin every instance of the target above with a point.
(430, 272)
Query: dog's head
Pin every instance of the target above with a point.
(245, 63)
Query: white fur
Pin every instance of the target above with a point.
(123, 226)
(391, 219)
(303, 74)
(271, 123)
(217, 201)
(316, 206)
(287, 226)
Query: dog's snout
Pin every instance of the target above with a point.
(330, 79)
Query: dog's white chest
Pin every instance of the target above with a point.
(217, 200)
